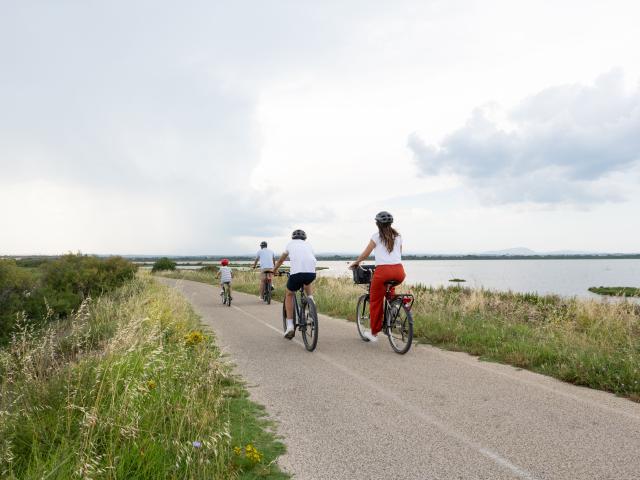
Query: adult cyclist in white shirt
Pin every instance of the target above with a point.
(267, 258)
(303, 272)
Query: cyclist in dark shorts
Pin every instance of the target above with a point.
(303, 272)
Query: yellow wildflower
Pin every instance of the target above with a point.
(193, 338)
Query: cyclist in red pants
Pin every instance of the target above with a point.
(386, 244)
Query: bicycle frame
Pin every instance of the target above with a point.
(393, 307)
(297, 313)
(305, 318)
(407, 298)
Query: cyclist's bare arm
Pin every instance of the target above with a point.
(255, 262)
(364, 255)
(280, 261)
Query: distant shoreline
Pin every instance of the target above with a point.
(347, 257)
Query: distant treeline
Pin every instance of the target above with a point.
(198, 259)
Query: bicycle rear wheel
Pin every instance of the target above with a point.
(309, 327)
(284, 317)
(362, 315)
(267, 292)
(399, 326)
(227, 294)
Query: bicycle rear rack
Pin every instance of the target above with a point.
(407, 299)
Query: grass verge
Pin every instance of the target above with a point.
(585, 342)
(130, 387)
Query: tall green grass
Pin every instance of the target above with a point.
(128, 387)
(586, 342)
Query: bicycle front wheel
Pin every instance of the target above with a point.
(362, 315)
(399, 326)
(309, 327)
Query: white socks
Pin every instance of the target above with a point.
(289, 323)
(310, 297)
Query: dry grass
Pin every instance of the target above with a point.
(128, 387)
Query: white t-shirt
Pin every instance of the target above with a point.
(265, 257)
(301, 256)
(225, 274)
(382, 255)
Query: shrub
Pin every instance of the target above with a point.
(72, 278)
(163, 263)
(32, 262)
(16, 290)
(57, 288)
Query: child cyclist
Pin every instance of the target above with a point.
(386, 244)
(303, 272)
(224, 274)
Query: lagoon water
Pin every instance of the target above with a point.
(562, 277)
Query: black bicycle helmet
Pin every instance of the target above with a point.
(384, 217)
(263, 244)
(298, 235)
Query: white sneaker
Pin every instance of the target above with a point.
(370, 336)
(289, 332)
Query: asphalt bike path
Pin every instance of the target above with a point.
(353, 410)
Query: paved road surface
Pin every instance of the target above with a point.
(352, 410)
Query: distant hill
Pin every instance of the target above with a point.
(519, 251)
(524, 251)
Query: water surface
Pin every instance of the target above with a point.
(562, 277)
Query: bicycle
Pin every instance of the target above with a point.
(267, 288)
(226, 294)
(305, 318)
(397, 320)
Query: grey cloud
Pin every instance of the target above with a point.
(564, 143)
(158, 99)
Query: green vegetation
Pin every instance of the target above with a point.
(128, 386)
(32, 262)
(51, 289)
(586, 342)
(616, 291)
(163, 264)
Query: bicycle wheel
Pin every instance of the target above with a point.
(267, 292)
(227, 292)
(362, 315)
(399, 326)
(309, 327)
(284, 318)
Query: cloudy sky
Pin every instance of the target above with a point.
(203, 127)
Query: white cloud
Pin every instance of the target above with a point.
(562, 145)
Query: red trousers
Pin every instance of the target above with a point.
(383, 273)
